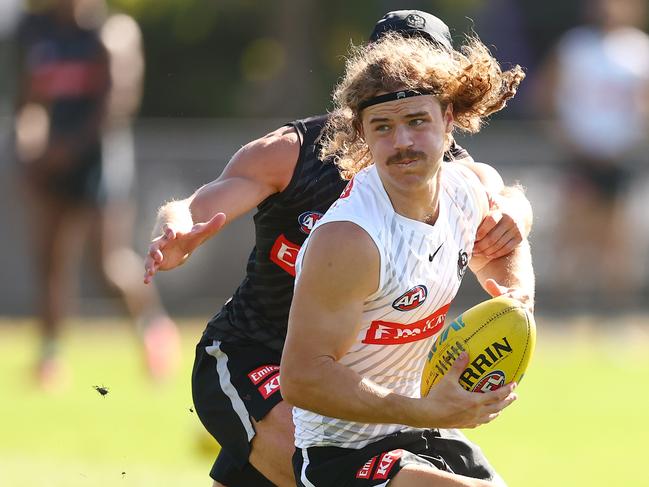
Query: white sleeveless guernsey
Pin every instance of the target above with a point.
(421, 269)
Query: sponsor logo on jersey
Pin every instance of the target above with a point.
(386, 462)
(270, 387)
(462, 263)
(366, 470)
(284, 254)
(307, 221)
(411, 299)
(257, 375)
(490, 382)
(389, 333)
(348, 189)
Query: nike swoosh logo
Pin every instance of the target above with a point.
(432, 256)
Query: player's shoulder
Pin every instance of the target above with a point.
(270, 158)
(279, 141)
(343, 248)
(464, 185)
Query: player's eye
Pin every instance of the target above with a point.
(416, 122)
(382, 128)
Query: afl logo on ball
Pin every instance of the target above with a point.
(307, 221)
(411, 299)
(490, 382)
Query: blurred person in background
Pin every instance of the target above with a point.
(597, 83)
(80, 81)
(235, 381)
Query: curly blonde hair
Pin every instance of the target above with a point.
(469, 79)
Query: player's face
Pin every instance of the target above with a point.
(406, 139)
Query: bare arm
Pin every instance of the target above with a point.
(258, 170)
(509, 220)
(324, 321)
(513, 273)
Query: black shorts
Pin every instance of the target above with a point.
(377, 463)
(232, 383)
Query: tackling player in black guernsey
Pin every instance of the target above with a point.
(235, 381)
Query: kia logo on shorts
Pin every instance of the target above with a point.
(411, 299)
(307, 220)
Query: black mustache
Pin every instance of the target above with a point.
(406, 155)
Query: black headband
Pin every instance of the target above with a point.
(397, 95)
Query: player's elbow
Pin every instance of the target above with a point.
(292, 383)
(298, 384)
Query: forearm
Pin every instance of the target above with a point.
(349, 396)
(514, 270)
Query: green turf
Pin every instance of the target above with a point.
(580, 419)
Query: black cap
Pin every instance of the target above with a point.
(414, 23)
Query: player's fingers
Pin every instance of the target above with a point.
(456, 369)
(149, 270)
(498, 395)
(494, 235)
(218, 221)
(168, 231)
(496, 239)
(486, 226)
(507, 248)
(505, 237)
(209, 228)
(491, 417)
(497, 406)
(494, 289)
(148, 262)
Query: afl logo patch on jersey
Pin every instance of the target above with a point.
(411, 299)
(307, 221)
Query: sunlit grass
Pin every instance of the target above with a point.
(580, 418)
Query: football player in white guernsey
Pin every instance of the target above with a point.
(405, 226)
(264, 169)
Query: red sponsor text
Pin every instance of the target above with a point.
(366, 470)
(257, 375)
(270, 387)
(284, 254)
(389, 333)
(386, 462)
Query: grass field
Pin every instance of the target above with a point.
(581, 417)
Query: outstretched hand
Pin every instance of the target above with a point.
(450, 406)
(174, 247)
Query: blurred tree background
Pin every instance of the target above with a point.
(245, 58)
(211, 62)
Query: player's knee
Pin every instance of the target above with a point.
(217, 484)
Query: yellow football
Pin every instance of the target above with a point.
(498, 334)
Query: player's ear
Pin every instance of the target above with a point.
(448, 118)
(358, 127)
